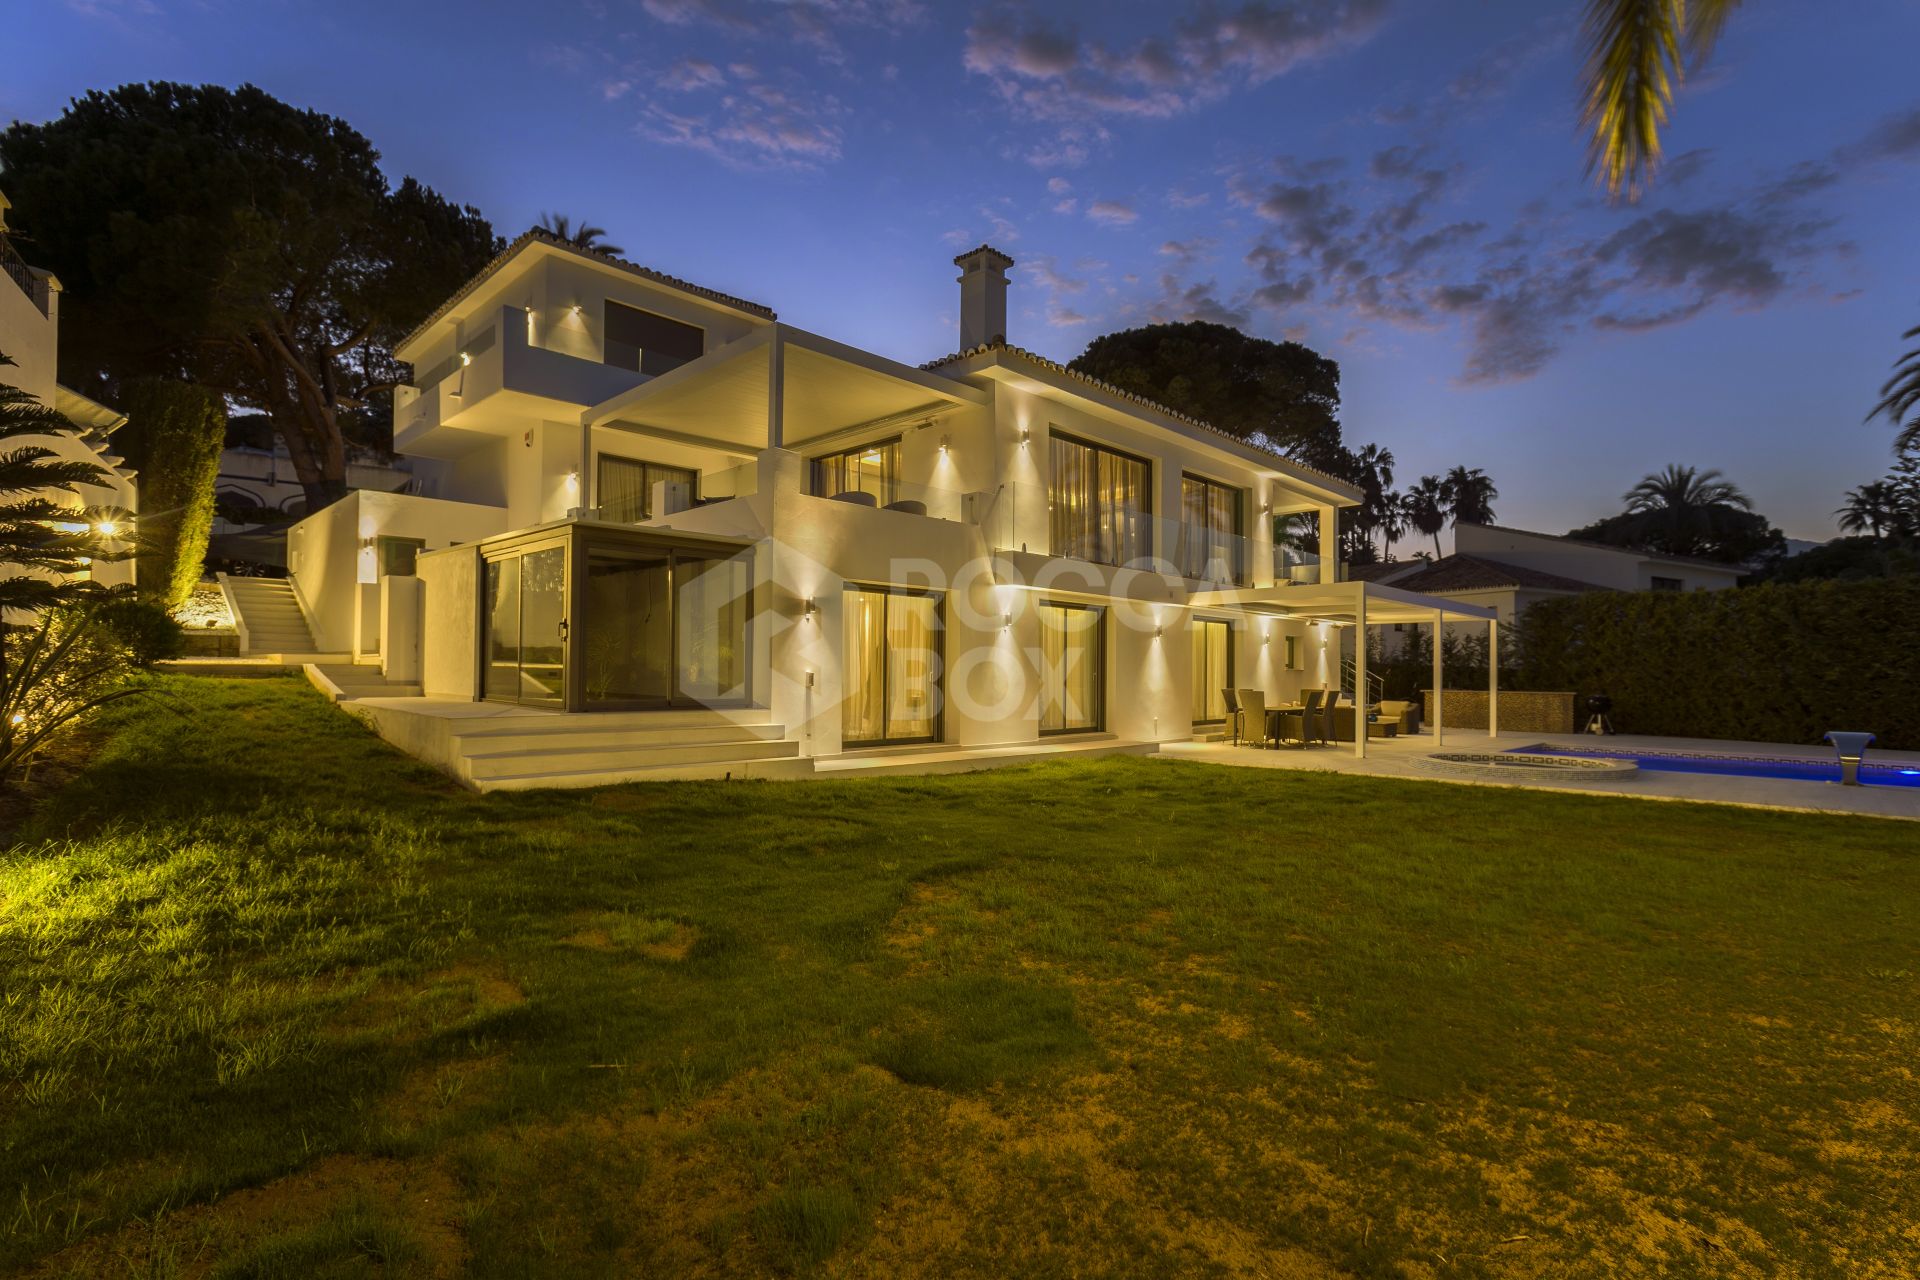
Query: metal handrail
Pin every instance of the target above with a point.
(1376, 684)
(23, 275)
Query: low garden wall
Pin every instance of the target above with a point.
(1521, 711)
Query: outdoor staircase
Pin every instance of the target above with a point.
(1376, 685)
(502, 753)
(348, 682)
(269, 616)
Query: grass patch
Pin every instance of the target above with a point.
(275, 999)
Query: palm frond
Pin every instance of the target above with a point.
(1638, 52)
(1901, 396)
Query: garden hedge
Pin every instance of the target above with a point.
(176, 431)
(1773, 663)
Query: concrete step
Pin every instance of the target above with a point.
(615, 760)
(510, 722)
(779, 767)
(493, 742)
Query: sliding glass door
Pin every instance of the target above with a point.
(526, 642)
(1212, 670)
(664, 628)
(1073, 668)
(892, 665)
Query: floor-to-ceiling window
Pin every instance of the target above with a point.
(1099, 502)
(872, 469)
(623, 487)
(892, 666)
(1212, 669)
(526, 643)
(1073, 668)
(1211, 530)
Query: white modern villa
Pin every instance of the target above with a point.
(658, 533)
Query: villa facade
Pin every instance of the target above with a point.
(700, 540)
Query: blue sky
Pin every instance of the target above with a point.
(1398, 183)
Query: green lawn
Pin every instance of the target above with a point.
(277, 1001)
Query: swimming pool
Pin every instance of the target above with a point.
(1871, 774)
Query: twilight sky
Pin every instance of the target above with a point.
(1397, 183)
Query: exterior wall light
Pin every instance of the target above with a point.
(1006, 620)
(945, 443)
(465, 359)
(810, 609)
(1158, 632)
(1026, 437)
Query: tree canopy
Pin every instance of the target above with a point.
(1280, 394)
(1684, 511)
(227, 238)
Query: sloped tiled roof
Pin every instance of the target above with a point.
(1610, 546)
(1121, 393)
(543, 236)
(1471, 573)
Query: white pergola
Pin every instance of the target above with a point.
(1361, 605)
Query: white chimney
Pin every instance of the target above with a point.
(983, 296)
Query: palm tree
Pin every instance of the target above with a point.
(1395, 519)
(50, 541)
(1681, 508)
(1873, 508)
(1637, 51)
(1901, 395)
(585, 236)
(1469, 495)
(1427, 508)
(1372, 471)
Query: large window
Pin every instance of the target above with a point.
(664, 627)
(526, 614)
(1099, 502)
(1073, 668)
(1212, 670)
(892, 666)
(1210, 531)
(624, 487)
(648, 343)
(871, 469)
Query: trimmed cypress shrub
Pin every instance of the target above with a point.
(177, 430)
(1781, 662)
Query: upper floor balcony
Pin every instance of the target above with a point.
(498, 382)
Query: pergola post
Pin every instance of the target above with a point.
(776, 388)
(1439, 688)
(1493, 677)
(1329, 545)
(1360, 672)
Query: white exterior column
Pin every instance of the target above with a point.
(1493, 677)
(1439, 689)
(776, 389)
(1330, 546)
(1359, 670)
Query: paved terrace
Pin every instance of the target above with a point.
(1407, 758)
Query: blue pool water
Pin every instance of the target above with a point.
(1875, 775)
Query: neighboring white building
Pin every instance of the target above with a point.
(30, 336)
(1509, 570)
(746, 548)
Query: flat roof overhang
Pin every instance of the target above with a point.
(828, 390)
(1311, 489)
(1341, 602)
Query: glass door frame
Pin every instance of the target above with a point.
(939, 660)
(580, 538)
(1099, 651)
(517, 549)
(1197, 624)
